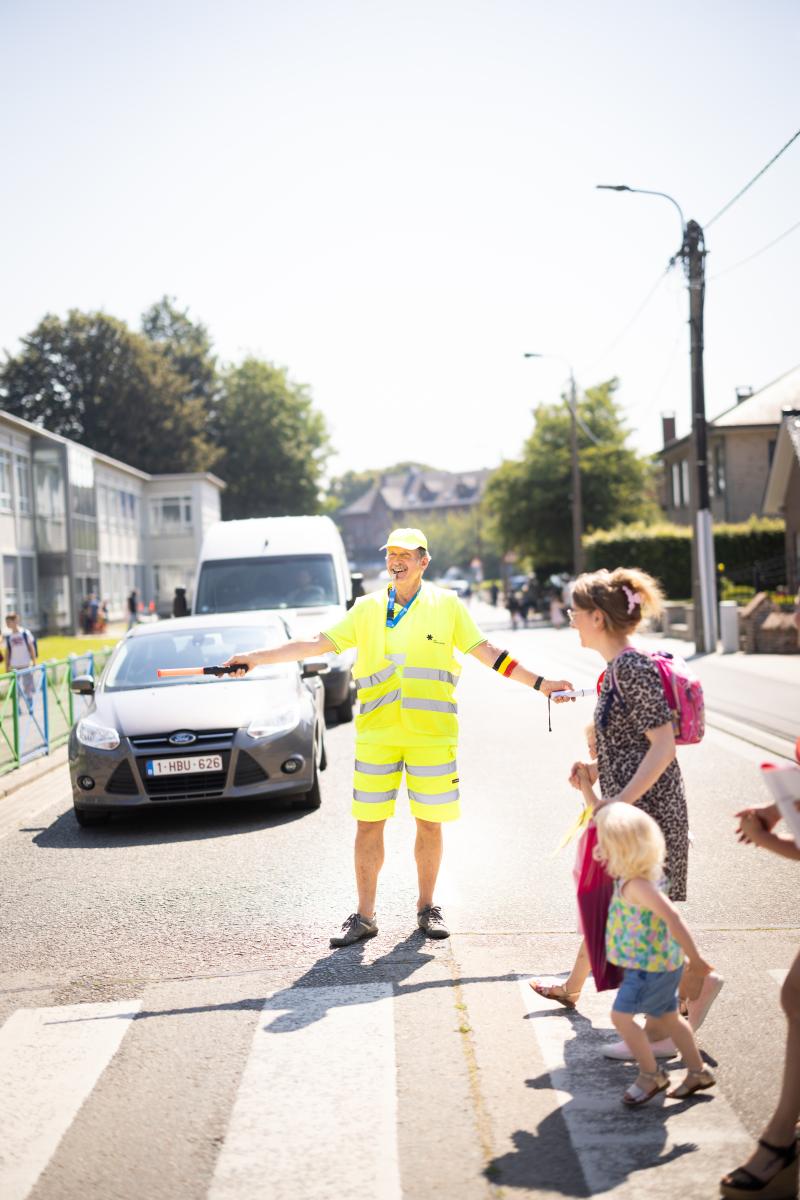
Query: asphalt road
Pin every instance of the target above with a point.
(173, 1024)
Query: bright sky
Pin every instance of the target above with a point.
(395, 200)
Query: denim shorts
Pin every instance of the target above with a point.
(651, 992)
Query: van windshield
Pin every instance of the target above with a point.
(291, 581)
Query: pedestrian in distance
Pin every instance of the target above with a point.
(636, 760)
(20, 651)
(646, 936)
(405, 672)
(133, 608)
(771, 1171)
(179, 606)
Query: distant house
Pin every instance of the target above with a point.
(741, 445)
(782, 496)
(407, 498)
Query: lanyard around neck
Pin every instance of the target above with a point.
(391, 621)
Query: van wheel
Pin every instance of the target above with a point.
(91, 816)
(311, 799)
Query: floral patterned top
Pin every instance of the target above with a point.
(637, 938)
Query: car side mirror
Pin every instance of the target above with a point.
(82, 685)
(314, 666)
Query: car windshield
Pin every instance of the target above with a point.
(242, 584)
(136, 662)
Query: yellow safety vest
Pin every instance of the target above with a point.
(415, 691)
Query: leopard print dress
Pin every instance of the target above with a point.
(621, 722)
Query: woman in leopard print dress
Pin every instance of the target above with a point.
(636, 760)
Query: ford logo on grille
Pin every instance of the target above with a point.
(182, 739)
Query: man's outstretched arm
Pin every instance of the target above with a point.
(503, 662)
(292, 651)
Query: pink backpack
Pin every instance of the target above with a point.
(683, 693)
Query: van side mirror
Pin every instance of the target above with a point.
(314, 666)
(82, 685)
(357, 581)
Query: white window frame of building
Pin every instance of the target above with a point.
(24, 482)
(11, 592)
(677, 499)
(183, 524)
(6, 492)
(28, 609)
(685, 482)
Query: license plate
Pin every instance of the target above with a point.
(183, 766)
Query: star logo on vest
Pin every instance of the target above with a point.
(430, 638)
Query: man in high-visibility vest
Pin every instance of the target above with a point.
(406, 674)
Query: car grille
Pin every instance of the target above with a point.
(248, 770)
(205, 785)
(122, 782)
(206, 739)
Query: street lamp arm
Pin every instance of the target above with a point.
(623, 187)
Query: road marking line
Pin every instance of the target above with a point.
(316, 1110)
(50, 1059)
(589, 1087)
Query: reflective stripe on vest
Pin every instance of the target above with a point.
(379, 677)
(430, 673)
(374, 797)
(442, 798)
(389, 698)
(397, 658)
(379, 768)
(444, 769)
(428, 705)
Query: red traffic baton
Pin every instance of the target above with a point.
(178, 672)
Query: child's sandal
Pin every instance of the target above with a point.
(694, 1081)
(635, 1095)
(557, 992)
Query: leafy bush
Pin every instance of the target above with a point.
(665, 550)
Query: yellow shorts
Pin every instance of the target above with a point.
(431, 781)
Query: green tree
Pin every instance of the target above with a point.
(275, 443)
(92, 379)
(530, 499)
(186, 345)
(457, 537)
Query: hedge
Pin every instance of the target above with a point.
(665, 551)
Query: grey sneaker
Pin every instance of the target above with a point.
(432, 923)
(355, 929)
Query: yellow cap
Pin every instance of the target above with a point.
(407, 539)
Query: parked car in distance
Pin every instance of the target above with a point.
(146, 742)
(296, 566)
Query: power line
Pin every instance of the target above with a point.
(747, 186)
(642, 306)
(756, 253)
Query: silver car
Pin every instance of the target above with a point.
(145, 741)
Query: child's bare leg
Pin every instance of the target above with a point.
(679, 1029)
(636, 1038)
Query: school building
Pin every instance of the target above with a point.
(74, 522)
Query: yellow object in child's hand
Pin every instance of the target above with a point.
(575, 830)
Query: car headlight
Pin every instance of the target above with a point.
(99, 737)
(278, 721)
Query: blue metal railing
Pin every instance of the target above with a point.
(38, 709)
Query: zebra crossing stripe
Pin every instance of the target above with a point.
(316, 1110)
(779, 975)
(613, 1144)
(50, 1059)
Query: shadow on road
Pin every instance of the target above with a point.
(154, 826)
(545, 1160)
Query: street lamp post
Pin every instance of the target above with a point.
(577, 499)
(704, 581)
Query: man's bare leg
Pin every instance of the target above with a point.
(368, 861)
(428, 849)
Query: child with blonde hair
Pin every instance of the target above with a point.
(647, 937)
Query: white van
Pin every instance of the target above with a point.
(296, 566)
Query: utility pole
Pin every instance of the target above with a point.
(704, 581)
(577, 500)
